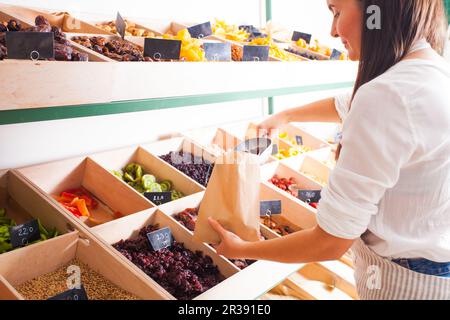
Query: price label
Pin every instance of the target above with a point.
(217, 51)
(162, 49)
(120, 25)
(301, 35)
(274, 149)
(24, 234)
(335, 55)
(256, 53)
(268, 208)
(160, 239)
(309, 196)
(30, 45)
(72, 294)
(299, 140)
(158, 198)
(201, 30)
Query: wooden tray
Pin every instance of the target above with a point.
(17, 267)
(128, 228)
(283, 171)
(63, 20)
(113, 195)
(215, 141)
(118, 159)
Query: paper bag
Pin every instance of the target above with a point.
(231, 198)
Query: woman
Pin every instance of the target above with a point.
(389, 195)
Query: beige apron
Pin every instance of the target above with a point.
(378, 278)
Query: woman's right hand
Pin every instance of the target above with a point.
(271, 124)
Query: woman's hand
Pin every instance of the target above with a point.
(271, 124)
(231, 246)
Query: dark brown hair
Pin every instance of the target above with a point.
(403, 22)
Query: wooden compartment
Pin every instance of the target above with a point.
(114, 196)
(151, 164)
(17, 267)
(249, 283)
(215, 141)
(23, 203)
(316, 281)
(179, 144)
(309, 140)
(295, 214)
(128, 228)
(63, 20)
(310, 167)
(283, 171)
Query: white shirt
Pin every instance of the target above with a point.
(392, 180)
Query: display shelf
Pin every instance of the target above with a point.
(32, 95)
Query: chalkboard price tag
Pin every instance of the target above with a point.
(299, 140)
(274, 149)
(160, 239)
(335, 55)
(300, 35)
(162, 49)
(158, 198)
(120, 25)
(201, 30)
(217, 51)
(24, 234)
(268, 208)
(30, 45)
(72, 294)
(309, 196)
(256, 53)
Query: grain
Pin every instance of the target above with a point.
(51, 284)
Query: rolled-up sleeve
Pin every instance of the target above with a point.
(378, 139)
(342, 104)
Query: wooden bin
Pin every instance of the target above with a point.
(63, 20)
(248, 283)
(114, 196)
(17, 267)
(179, 144)
(283, 171)
(128, 228)
(215, 141)
(310, 167)
(23, 203)
(151, 164)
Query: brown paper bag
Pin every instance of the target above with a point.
(231, 198)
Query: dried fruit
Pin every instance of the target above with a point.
(183, 273)
(14, 25)
(195, 167)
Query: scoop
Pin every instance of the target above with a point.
(262, 147)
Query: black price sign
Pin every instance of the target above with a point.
(24, 234)
(335, 55)
(158, 198)
(274, 149)
(160, 239)
(30, 45)
(268, 208)
(201, 30)
(162, 49)
(72, 294)
(309, 196)
(217, 51)
(299, 140)
(300, 35)
(120, 25)
(256, 53)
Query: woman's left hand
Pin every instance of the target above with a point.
(231, 246)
